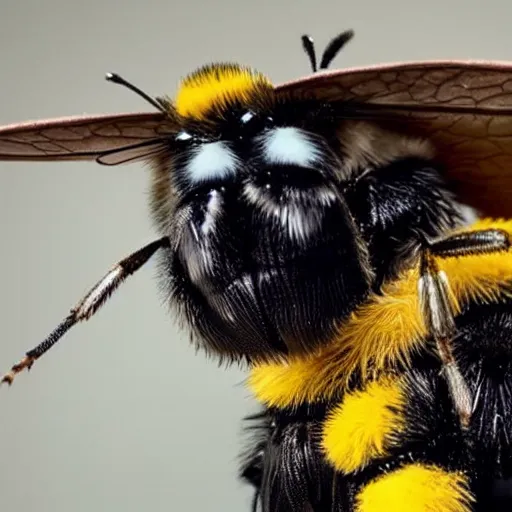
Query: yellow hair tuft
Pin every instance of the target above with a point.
(217, 86)
(416, 488)
(362, 427)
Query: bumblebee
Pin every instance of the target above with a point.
(315, 232)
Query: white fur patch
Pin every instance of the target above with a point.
(196, 254)
(197, 241)
(211, 161)
(296, 216)
(289, 145)
(213, 211)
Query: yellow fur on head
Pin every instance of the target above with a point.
(416, 488)
(215, 87)
(361, 428)
(385, 330)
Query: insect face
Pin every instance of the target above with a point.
(256, 205)
(279, 211)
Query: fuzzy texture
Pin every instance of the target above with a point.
(416, 488)
(364, 426)
(250, 224)
(384, 333)
(366, 145)
(215, 87)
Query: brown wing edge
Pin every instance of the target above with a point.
(79, 137)
(475, 142)
(328, 75)
(463, 107)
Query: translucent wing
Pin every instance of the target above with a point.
(464, 107)
(118, 138)
(134, 152)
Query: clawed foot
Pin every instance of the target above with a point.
(25, 363)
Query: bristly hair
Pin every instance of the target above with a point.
(217, 87)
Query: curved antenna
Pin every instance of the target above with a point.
(117, 79)
(334, 47)
(309, 48)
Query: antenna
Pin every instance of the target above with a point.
(117, 79)
(332, 49)
(309, 48)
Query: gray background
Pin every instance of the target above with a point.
(122, 415)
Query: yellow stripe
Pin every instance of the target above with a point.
(416, 488)
(384, 331)
(217, 86)
(362, 427)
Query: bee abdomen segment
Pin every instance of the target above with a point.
(364, 426)
(416, 488)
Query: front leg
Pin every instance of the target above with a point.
(89, 304)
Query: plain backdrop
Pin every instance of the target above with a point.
(123, 415)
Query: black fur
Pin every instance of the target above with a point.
(265, 293)
(287, 469)
(262, 293)
(397, 206)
